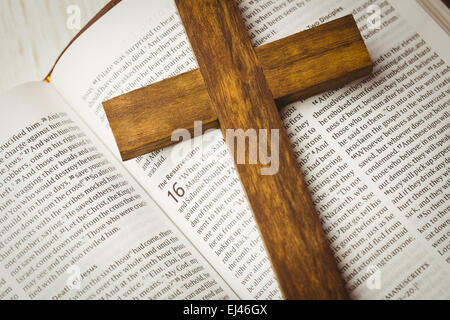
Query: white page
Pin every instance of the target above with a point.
(152, 171)
(69, 208)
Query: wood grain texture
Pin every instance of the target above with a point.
(289, 225)
(33, 34)
(295, 67)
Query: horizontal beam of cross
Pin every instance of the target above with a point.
(296, 67)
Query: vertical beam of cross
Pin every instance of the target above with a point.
(289, 225)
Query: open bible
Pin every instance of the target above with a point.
(78, 223)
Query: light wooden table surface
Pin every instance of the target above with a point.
(32, 35)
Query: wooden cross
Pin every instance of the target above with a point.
(238, 87)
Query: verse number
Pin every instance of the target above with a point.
(178, 192)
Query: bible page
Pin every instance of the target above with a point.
(74, 224)
(378, 238)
